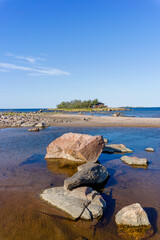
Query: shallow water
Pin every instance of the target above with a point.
(24, 173)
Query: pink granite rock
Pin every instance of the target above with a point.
(76, 147)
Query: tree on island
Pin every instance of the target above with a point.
(78, 104)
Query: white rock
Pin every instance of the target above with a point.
(119, 148)
(82, 202)
(149, 149)
(132, 215)
(134, 161)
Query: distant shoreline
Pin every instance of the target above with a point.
(74, 120)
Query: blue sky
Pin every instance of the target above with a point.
(58, 50)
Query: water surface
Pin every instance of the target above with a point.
(24, 173)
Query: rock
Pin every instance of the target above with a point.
(149, 149)
(134, 160)
(132, 215)
(27, 124)
(118, 148)
(33, 129)
(83, 202)
(40, 125)
(76, 147)
(89, 174)
(105, 140)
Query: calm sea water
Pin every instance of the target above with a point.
(136, 112)
(24, 173)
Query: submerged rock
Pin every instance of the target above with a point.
(149, 149)
(118, 148)
(89, 174)
(132, 215)
(134, 161)
(83, 202)
(76, 147)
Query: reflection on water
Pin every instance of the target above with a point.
(24, 173)
(62, 166)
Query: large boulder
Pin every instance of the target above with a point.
(83, 202)
(89, 174)
(118, 148)
(76, 147)
(133, 216)
(134, 161)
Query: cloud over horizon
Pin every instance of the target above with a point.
(33, 69)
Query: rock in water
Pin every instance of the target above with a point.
(33, 129)
(76, 147)
(133, 223)
(119, 148)
(105, 140)
(134, 161)
(149, 149)
(81, 202)
(40, 125)
(89, 174)
(133, 216)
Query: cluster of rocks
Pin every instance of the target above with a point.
(13, 119)
(79, 195)
(121, 148)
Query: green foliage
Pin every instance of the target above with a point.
(78, 104)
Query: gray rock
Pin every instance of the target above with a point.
(149, 149)
(118, 148)
(134, 161)
(40, 125)
(83, 202)
(27, 124)
(89, 174)
(132, 215)
(33, 129)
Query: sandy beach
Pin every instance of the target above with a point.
(74, 120)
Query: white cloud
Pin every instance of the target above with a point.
(29, 59)
(40, 71)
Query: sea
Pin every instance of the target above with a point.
(148, 112)
(24, 174)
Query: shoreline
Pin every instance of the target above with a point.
(74, 120)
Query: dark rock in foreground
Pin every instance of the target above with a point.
(89, 174)
(76, 147)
